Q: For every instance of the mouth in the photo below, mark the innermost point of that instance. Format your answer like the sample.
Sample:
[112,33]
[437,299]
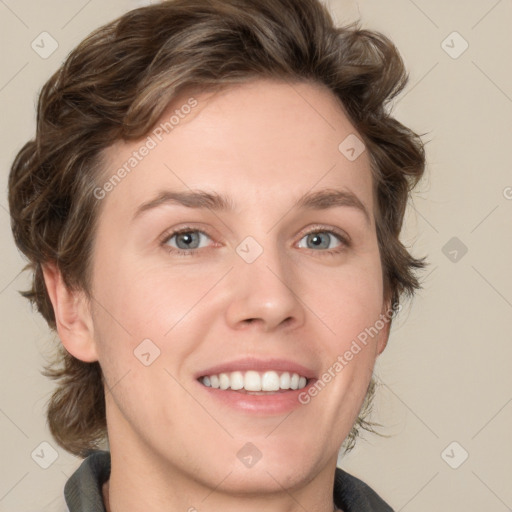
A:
[254,382]
[256,386]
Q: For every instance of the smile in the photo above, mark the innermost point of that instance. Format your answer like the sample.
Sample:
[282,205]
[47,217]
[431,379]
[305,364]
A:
[253,381]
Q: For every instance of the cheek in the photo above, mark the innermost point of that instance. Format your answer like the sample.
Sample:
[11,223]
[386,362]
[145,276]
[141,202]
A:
[350,301]
[351,308]
[164,307]
[149,301]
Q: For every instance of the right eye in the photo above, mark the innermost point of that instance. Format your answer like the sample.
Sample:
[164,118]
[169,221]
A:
[186,241]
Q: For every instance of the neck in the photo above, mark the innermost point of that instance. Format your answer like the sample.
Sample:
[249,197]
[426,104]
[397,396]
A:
[105,492]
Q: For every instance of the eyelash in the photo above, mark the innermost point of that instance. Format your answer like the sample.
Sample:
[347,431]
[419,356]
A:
[345,241]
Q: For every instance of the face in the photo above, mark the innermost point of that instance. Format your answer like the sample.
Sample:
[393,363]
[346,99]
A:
[275,270]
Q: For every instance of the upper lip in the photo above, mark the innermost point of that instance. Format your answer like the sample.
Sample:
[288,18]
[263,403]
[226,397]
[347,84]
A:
[261,365]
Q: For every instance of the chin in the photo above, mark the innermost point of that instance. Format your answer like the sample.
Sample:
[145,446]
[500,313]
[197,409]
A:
[267,478]
[269,464]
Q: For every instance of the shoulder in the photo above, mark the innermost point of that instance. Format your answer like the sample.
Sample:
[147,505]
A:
[352,495]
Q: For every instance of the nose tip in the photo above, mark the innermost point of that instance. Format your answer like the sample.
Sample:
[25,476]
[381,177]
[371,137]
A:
[262,297]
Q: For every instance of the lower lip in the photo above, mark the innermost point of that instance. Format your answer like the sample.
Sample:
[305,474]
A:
[278,402]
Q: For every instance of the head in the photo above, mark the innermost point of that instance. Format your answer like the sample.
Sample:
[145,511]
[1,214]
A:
[254,102]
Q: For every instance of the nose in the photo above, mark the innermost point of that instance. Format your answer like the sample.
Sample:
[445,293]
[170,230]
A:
[264,293]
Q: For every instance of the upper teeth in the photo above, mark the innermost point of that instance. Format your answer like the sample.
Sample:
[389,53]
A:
[255,381]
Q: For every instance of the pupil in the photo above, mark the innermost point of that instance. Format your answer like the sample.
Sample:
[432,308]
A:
[317,241]
[187,239]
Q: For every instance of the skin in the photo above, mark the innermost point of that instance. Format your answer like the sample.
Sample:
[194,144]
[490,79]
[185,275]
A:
[263,144]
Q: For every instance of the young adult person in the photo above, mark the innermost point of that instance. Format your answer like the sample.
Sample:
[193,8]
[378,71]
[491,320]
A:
[211,208]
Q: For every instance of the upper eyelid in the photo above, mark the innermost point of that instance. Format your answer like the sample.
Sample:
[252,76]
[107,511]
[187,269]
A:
[167,235]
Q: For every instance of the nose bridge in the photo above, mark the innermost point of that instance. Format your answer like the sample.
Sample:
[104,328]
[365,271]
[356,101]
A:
[263,286]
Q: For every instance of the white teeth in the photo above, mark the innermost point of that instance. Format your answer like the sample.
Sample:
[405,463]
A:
[255,381]
[294,384]
[270,381]
[284,381]
[224,381]
[252,381]
[237,380]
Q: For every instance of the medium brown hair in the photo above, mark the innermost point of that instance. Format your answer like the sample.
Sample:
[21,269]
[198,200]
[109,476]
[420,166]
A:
[117,83]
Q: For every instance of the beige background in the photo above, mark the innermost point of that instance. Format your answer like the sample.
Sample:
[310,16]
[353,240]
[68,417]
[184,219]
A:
[446,374]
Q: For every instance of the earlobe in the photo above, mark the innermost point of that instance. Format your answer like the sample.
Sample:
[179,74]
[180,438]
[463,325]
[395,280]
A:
[72,316]
[382,340]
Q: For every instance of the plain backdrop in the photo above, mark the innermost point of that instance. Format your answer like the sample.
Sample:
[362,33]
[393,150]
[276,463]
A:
[445,393]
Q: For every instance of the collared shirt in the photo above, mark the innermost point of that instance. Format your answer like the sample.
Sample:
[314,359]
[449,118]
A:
[83,490]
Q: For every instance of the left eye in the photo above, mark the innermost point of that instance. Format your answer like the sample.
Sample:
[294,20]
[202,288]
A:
[322,240]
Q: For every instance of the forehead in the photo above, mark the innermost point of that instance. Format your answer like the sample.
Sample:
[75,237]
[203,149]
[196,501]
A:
[259,141]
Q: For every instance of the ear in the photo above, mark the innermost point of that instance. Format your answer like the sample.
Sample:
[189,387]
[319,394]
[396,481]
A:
[386,316]
[72,316]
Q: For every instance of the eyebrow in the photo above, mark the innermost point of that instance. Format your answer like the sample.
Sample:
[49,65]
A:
[320,200]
